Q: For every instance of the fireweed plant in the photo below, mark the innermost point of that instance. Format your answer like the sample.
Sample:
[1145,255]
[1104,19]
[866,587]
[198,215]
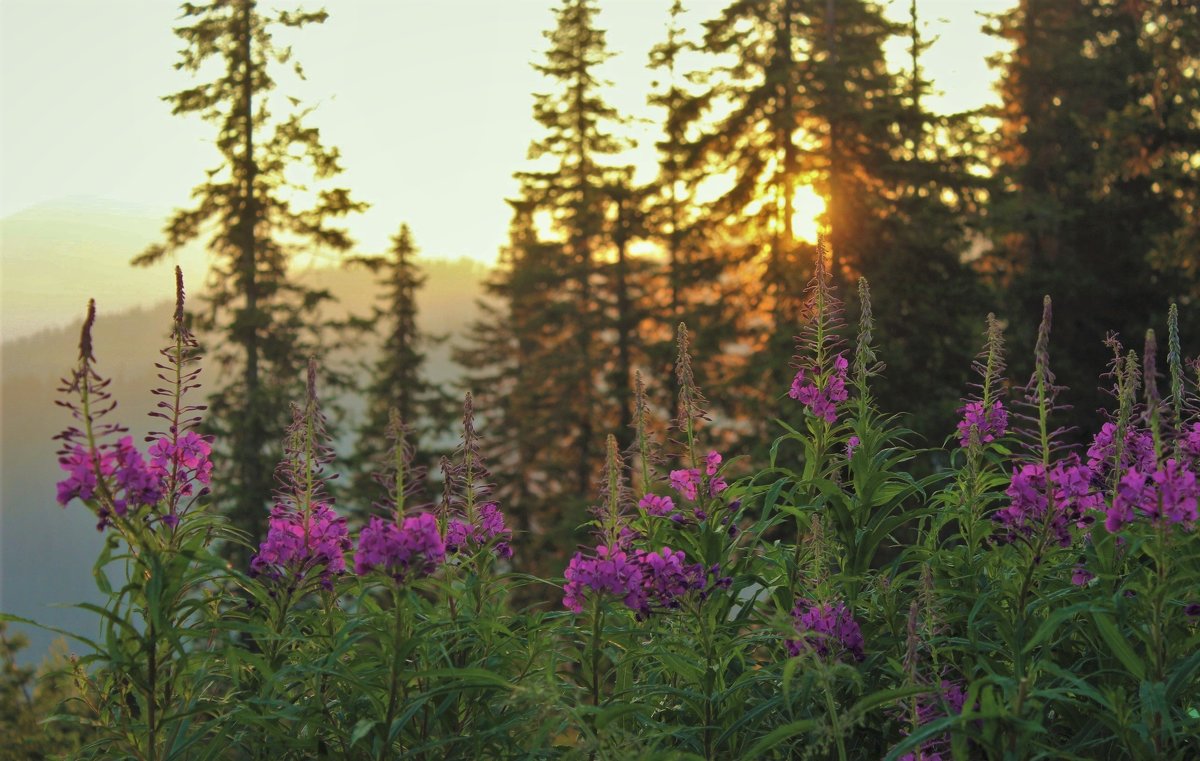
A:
[1036,597]
[149,675]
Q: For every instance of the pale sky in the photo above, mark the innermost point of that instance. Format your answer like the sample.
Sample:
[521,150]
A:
[428,100]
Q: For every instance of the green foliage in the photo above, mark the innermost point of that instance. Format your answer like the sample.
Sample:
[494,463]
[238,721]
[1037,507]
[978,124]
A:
[35,703]
[849,594]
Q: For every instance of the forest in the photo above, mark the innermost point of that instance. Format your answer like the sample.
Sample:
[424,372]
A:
[858,430]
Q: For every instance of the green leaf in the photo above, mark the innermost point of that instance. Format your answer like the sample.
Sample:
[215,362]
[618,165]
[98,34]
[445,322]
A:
[1053,622]
[361,730]
[1119,645]
[779,734]
[609,714]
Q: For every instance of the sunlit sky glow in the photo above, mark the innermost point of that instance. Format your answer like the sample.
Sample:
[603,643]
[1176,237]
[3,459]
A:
[429,101]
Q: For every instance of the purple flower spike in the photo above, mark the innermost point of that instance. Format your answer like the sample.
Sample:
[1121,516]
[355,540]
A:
[1190,443]
[827,630]
[411,551]
[712,462]
[947,701]
[81,467]
[821,398]
[294,544]
[609,571]
[130,480]
[1070,483]
[190,454]
[462,536]
[1166,496]
[645,581]
[686,482]
[667,577]
[988,425]
[1138,451]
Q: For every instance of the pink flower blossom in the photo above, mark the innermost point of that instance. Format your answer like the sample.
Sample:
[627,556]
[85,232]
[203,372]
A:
[1166,496]
[460,535]
[987,425]
[821,397]
[410,551]
[295,544]
[658,505]
[686,482]
[829,630]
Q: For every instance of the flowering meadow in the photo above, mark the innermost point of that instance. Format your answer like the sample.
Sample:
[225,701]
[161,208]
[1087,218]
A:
[1039,597]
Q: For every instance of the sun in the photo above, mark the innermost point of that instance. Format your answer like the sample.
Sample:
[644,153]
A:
[807,208]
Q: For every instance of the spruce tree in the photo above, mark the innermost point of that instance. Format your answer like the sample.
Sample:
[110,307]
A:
[550,363]
[809,100]
[806,100]
[1097,124]
[931,191]
[574,193]
[689,287]
[624,297]
[397,383]
[249,210]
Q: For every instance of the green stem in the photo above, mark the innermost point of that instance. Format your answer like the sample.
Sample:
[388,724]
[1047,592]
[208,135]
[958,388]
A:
[394,683]
[833,715]
[597,633]
[151,692]
[709,684]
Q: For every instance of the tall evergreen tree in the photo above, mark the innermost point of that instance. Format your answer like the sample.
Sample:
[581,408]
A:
[551,361]
[623,297]
[689,287]
[511,354]
[397,380]
[574,193]
[930,193]
[1095,165]
[808,100]
[248,208]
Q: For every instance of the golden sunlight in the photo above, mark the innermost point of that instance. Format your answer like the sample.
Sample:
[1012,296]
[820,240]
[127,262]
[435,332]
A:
[807,208]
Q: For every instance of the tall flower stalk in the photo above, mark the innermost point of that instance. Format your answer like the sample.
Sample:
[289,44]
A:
[1175,370]
[305,533]
[138,677]
[984,422]
[693,407]
[821,375]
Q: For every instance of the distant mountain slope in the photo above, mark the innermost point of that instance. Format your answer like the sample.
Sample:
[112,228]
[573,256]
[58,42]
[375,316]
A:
[53,256]
[46,553]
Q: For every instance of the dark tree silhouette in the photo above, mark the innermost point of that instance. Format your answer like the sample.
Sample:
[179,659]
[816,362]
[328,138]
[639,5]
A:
[247,209]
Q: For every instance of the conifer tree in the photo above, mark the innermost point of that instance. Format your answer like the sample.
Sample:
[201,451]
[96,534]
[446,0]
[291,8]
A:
[577,137]
[249,210]
[624,297]
[689,288]
[551,362]
[808,101]
[930,193]
[1098,122]
[397,380]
